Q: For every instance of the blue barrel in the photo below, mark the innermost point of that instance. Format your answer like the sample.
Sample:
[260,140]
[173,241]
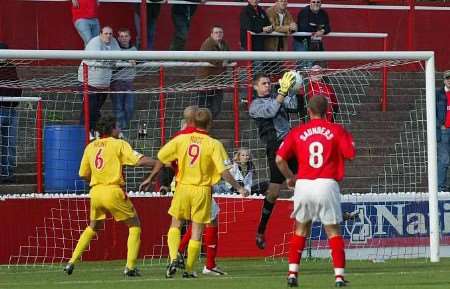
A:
[63,150]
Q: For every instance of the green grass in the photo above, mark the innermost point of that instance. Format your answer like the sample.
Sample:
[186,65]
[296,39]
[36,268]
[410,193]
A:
[248,274]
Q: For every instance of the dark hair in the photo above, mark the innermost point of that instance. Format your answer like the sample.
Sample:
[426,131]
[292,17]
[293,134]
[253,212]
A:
[106,124]
[318,104]
[258,76]
[123,30]
[216,26]
[3,45]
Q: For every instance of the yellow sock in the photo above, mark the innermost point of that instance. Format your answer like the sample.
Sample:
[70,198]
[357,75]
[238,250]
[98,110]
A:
[194,248]
[82,244]
[173,241]
[134,243]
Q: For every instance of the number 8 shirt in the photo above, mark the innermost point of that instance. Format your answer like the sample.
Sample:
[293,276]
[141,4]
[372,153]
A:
[320,148]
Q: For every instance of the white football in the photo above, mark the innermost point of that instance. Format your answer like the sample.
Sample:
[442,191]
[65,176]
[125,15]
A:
[298,81]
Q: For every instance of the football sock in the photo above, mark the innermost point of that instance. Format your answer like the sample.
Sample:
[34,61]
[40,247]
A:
[133,244]
[211,237]
[265,215]
[194,249]
[173,241]
[83,243]
[185,240]
[337,255]
[297,244]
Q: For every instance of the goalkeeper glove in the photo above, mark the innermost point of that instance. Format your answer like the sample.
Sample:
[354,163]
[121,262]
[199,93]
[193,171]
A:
[286,82]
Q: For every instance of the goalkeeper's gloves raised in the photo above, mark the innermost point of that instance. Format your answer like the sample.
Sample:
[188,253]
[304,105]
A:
[286,82]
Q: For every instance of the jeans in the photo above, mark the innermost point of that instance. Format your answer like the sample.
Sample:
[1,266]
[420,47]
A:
[302,46]
[181,21]
[123,103]
[8,129]
[211,99]
[87,28]
[443,159]
[96,101]
[151,25]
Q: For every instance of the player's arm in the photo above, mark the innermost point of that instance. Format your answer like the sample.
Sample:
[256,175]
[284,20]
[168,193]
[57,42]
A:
[145,161]
[158,165]
[284,153]
[347,145]
[85,168]
[226,175]
[283,166]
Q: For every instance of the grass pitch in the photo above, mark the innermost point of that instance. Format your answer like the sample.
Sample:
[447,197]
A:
[248,274]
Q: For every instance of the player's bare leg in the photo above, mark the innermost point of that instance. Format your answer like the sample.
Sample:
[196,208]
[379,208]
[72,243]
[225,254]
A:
[83,243]
[173,241]
[297,244]
[269,202]
[211,243]
[337,246]
[133,245]
[194,248]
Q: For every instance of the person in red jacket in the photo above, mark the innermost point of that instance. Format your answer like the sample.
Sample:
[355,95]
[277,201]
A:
[85,19]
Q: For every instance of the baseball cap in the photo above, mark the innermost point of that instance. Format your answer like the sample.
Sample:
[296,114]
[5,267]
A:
[446,74]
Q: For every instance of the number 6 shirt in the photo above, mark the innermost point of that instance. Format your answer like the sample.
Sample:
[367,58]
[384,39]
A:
[320,148]
[200,158]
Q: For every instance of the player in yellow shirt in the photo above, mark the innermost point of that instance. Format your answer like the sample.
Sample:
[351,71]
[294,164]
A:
[200,159]
[101,166]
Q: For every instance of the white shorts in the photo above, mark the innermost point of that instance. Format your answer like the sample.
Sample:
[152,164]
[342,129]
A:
[318,199]
[214,209]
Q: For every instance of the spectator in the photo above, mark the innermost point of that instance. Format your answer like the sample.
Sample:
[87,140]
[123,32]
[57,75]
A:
[283,22]
[242,170]
[122,101]
[153,10]
[312,19]
[253,18]
[212,99]
[181,16]
[318,86]
[99,74]
[8,122]
[271,114]
[443,131]
[85,18]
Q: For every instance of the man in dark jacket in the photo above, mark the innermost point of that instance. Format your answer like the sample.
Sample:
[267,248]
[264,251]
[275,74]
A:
[253,18]
[443,131]
[8,122]
[312,19]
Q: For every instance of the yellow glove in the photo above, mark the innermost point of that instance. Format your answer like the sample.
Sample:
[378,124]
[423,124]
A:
[286,82]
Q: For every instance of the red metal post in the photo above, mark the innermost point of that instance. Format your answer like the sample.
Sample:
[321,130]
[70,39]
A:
[249,71]
[162,106]
[236,107]
[143,24]
[384,98]
[39,178]
[411,24]
[86,101]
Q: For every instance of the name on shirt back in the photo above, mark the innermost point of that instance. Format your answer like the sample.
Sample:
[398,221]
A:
[316,130]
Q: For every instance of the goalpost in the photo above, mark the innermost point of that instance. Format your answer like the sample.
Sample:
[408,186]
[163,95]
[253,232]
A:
[176,95]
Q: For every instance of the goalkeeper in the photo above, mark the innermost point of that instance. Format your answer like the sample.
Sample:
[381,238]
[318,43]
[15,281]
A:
[271,113]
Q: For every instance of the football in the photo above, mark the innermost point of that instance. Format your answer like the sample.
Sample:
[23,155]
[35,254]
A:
[298,81]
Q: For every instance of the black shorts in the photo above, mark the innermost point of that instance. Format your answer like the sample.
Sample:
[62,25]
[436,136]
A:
[276,177]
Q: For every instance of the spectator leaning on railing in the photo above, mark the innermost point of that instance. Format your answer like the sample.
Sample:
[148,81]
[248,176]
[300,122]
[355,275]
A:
[312,19]
[99,74]
[212,98]
[253,18]
[283,22]
[85,18]
[8,122]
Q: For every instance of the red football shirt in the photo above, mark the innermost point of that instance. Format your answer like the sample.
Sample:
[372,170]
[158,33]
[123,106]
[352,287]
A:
[88,9]
[320,148]
[320,87]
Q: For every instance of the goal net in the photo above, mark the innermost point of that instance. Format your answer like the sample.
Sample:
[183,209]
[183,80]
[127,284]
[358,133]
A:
[389,185]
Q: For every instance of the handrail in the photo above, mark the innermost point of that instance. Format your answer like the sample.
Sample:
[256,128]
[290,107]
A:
[331,34]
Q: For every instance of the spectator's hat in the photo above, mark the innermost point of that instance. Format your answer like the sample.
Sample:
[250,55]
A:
[446,74]
[3,45]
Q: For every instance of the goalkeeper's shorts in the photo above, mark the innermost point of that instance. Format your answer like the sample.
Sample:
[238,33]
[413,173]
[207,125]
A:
[192,203]
[112,199]
[318,199]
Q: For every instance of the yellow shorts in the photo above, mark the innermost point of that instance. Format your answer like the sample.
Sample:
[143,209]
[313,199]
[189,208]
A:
[110,199]
[191,203]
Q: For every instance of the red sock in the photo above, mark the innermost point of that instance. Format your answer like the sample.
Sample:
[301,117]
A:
[185,240]
[337,247]
[296,247]
[211,238]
